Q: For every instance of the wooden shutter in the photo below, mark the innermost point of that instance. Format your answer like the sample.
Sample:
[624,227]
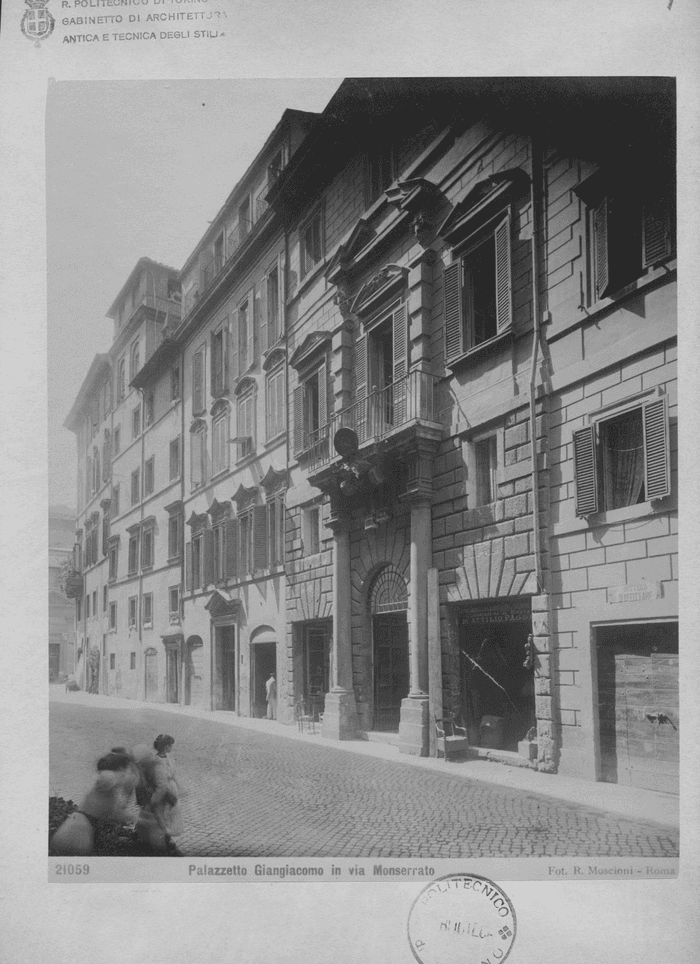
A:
[280,524]
[585,471]
[265,337]
[234,345]
[504,284]
[281,268]
[188,567]
[361,385]
[452,293]
[400,340]
[231,548]
[657,242]
[299,420]
[251,329]
[196,440]
[602,264]
[197,381]
[224,356]
[323,395]
[208,566]
[657,460]
[260,537]
[214,366]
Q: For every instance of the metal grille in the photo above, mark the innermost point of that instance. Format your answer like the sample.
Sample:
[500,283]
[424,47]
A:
[388,593]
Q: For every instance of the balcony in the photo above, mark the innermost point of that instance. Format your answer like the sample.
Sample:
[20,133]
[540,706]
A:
[395,415]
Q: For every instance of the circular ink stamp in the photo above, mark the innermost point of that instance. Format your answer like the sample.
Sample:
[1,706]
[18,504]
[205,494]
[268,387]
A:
[461,919]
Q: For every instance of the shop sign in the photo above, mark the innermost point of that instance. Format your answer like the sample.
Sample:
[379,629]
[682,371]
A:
[483,616]
[638,592]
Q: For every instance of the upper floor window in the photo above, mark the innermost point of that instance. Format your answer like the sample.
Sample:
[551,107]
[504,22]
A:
[135,486]
[121,379]
[174,535]
[275,167]
[149,476]
[478,292]
[117,440]
[244,220]
[311,530]
[133,553]
[219,361]
[275,529]
[311,243]
[198,405]
[136,422]
[245,429]
[114,504]
[174,458]
[244,336]
[198,453]
[273,324]
[623,457]
[147,546]
[381,170]
[150,403]
[113,616]
[220,439]
[107,396]
[486,465]
[275,407]
[175,383]
[310,410]
[135,361]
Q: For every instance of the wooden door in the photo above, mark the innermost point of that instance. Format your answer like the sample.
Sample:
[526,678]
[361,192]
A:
[151,674]
[391,669]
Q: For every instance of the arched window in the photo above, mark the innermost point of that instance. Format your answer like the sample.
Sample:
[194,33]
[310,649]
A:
[135,360]
[388,593]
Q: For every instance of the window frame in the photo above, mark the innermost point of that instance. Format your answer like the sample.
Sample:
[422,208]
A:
[149,476]
[133,554]
[199,374]
[311,531]
[135,422]
[175,383]
[305,267]
[246,409]
[198,455]
[134,359]
[148,542]
[221,422]
[174,612]
[147,618]
[276,429]
[135,487]
[132,612]
[175,525]
[113,616]
[175,449]
[386,178]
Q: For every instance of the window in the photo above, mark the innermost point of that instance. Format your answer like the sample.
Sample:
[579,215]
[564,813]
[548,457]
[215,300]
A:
[219,361]
[197,568]
[245,355]
[147,609]
[198,452]
[310,410]
[104,599]
[273,315]
[107,396]
[245,432]
[175,384]
[78,609]
[275,167]
[477,293]
[105,530]
[95,469]
[219,533]
[311,531]
[113,616]
[275,403]
[174,458]
[244,222]
[104,644]
[381,170]
[112,660]
[121,380]
[114,504]
[623,459]
[311,239]
[117,440]
[132,660]
[133,611]
[133,553]
[149,475]
[174,536]
[174,604]
[147,547]
[135,486]
[135,361]
[87,606]
[245,543]
[150,408]
[198,381]
[486,464]
[220,434]
[275,529]
[136,422]
[113,561]
[94,602]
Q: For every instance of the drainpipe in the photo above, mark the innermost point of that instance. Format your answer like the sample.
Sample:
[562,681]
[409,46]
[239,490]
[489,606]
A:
[181,363]
[142,479]
[535,207]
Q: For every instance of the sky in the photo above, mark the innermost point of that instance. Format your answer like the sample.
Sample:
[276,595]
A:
[133,169]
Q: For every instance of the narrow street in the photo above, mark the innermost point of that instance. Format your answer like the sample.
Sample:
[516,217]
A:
[250,793]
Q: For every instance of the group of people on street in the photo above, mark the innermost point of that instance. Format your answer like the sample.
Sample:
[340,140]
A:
[147,774]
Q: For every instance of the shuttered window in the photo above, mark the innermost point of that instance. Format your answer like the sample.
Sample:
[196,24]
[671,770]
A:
[623,460]
[478,293]
[198,382]
[275,530]
[260,547]
[198,446]
[175,458]
[657,233]
[275,403]
[310,410]
[231,548]
[219,361]
[220,446]
[245,431]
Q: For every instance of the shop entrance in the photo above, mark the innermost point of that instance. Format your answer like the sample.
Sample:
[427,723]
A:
[388,605]
[224,668]
[264,665]
[638,704]
[317,649]
[497,678]
[151,674]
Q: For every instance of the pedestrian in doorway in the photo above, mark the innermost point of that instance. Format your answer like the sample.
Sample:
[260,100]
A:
[160,818]
[271,696]
[108,799]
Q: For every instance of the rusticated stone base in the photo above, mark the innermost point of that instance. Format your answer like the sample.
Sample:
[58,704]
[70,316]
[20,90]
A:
[340,716]
[414,731]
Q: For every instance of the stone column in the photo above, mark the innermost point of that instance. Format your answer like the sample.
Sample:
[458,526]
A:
[340,712]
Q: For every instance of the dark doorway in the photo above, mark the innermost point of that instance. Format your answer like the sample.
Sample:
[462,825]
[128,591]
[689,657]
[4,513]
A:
[391,669]
[151,674]
[172,689]
[497,681]
[225,669]
[264,665]
[317,649]
[638,704]
[54,660]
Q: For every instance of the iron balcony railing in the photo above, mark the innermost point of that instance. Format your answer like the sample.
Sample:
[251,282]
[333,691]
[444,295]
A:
[380,414]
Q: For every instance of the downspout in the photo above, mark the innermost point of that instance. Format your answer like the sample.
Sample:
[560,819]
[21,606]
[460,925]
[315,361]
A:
[142,480]
[181,362]
[535,207]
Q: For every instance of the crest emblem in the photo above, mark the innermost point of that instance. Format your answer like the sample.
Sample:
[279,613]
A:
[37,23]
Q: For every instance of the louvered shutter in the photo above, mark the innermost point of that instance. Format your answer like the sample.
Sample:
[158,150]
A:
[323,395]
[361,385]
[452,291]
[264,336]
[602,266]
[197,382]
[504,285]
[260,537]
[281,288]
[234,345]
[188,567]
[196,440]
[400,340]
[657,461]
[585,471]
[231,548]
[208,557]
[656,227]
[299,420]
[252,320]
[279,521]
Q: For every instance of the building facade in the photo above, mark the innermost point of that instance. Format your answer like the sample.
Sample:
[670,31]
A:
[428,429]
[61,608]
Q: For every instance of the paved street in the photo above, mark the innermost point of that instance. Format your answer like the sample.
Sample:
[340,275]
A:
[253,793]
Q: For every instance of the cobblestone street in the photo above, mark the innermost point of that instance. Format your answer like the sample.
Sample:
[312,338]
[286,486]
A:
[250,793]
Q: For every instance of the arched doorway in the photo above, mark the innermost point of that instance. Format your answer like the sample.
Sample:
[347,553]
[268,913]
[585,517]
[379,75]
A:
[388,605]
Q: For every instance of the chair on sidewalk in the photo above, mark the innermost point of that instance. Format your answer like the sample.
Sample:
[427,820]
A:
[451,738]
[305,716]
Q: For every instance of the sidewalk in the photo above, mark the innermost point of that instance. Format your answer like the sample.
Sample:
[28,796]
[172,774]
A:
[630,802]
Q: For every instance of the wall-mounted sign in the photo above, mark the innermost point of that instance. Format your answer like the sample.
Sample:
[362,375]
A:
[638,592]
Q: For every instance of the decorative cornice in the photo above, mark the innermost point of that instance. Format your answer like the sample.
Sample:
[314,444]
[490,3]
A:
[485,200]
[221,404]
[174,507]
[244,494]
[198,521]
[415,195]
[312,347]
[134,529]
[274,479]
[172,639]
[197,424]
[221,604]
[389,281]
[219,510]
[273,357]
[245,384]
[360,236]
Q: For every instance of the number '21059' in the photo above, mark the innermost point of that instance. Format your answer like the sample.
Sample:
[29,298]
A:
[68,869]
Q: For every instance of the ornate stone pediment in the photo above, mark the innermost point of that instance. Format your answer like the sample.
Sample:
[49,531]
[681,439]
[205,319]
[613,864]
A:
[244,495]
[273,357]
[274,478]
[221,604]
[415,195]
[485,200]
[359,238]
[219,510]
[197,521]
[387,282]
[311,348]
